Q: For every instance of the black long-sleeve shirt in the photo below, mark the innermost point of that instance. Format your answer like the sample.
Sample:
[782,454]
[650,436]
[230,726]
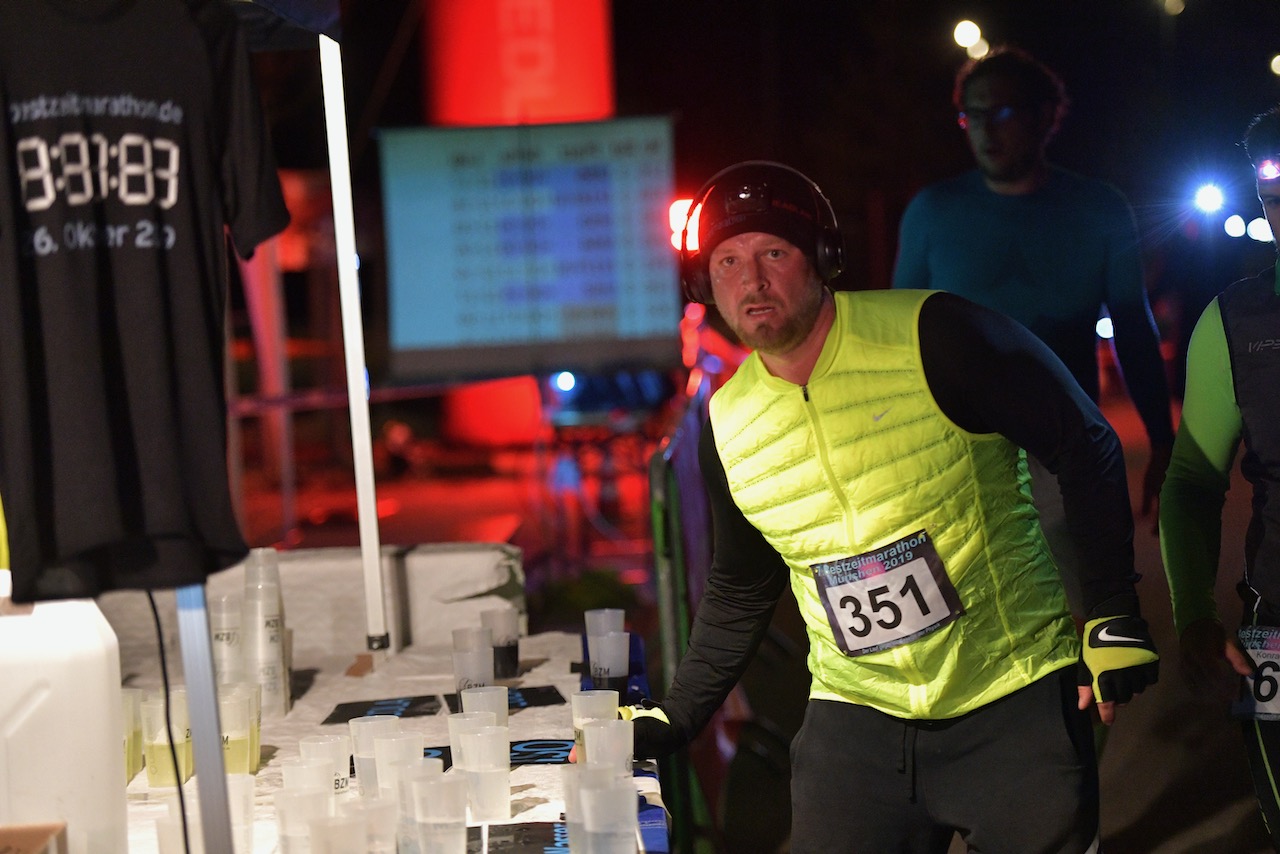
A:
[988,374]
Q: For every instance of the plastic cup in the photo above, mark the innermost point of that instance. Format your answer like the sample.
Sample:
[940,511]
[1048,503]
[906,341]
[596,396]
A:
[609,655]
[594,705]
[299,773]
[487,698]
[472,637]
[295,810]
[472,667]
[131,712]
[340,834]
[440,809]
[379,817]
[240,806]
[234,713]
[609,744]
[504,624]
[252,691]
[224,632]
[170,840]
[160,749]
[363,732]
[573,779]
[391,748]
[611,817]
[602,621]
[334,748]
[465,722]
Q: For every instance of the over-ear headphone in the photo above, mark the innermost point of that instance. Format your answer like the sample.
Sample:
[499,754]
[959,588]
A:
[828,248]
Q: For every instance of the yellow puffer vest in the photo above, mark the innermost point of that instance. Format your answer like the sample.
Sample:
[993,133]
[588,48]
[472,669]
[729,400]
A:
[862,457]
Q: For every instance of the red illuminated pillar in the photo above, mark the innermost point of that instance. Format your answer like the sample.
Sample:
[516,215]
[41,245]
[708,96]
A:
[506,62]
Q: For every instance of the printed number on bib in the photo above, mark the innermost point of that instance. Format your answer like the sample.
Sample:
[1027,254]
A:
[1261,694]
[887,597]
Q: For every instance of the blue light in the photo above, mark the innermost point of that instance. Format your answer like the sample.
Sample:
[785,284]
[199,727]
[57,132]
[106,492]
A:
[1209,198]
[565,381]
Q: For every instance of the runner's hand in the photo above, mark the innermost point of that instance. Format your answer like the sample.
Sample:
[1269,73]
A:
[1120,656]
[654,735]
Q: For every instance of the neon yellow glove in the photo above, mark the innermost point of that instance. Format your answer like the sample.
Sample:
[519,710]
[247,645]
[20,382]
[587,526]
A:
[654,736]
[1120,656]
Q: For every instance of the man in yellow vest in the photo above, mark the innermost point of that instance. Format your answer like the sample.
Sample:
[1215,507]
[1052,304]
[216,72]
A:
[872,453]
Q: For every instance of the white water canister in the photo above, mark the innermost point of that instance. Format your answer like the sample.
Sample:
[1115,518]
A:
[61,724]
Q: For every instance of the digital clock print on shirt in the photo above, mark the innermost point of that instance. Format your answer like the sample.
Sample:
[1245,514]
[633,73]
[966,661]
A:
[134,142]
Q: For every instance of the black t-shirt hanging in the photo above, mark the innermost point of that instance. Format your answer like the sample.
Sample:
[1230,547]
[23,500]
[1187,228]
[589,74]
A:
[132,141]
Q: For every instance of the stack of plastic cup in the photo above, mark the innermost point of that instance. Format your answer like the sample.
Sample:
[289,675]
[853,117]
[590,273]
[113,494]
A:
[225,613]
[487,764]
[262,632]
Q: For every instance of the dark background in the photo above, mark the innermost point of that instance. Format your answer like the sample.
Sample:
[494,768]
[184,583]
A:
[856,93]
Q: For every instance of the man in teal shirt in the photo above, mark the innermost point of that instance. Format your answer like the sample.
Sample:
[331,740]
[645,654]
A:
[1233,374]
[1045,246]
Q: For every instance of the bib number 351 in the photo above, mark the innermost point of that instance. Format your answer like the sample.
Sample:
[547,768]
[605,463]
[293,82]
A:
[888,597]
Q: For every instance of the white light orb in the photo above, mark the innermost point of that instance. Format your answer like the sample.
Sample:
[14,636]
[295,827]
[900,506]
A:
[967,34]
[1259,230]
[1209,198]
[1234,226]
[978,49]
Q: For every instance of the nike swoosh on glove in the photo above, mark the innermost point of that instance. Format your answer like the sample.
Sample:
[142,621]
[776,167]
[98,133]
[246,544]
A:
[654,736]
[1120,657]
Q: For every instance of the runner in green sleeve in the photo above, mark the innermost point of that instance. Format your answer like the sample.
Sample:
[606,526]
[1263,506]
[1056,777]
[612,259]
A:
[1233,371]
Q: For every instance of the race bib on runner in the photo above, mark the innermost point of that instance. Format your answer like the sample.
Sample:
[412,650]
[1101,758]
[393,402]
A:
[887,597]
[1261,695]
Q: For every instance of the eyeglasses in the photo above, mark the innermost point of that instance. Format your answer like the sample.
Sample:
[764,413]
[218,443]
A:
[980,116]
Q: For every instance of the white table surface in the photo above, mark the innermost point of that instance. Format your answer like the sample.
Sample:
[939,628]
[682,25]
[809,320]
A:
[535,789]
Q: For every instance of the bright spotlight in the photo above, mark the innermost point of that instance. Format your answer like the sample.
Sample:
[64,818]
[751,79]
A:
[1275,65]
[1234,226]
[565,381]
[1209,198]
[1104,328]
[1259,230]
[978,49]
[967,34]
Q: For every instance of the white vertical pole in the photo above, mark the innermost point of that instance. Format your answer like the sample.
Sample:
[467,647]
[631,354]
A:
[353,340]
[202,704]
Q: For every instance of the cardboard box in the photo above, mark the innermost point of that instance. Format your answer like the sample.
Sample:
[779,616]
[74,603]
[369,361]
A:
[33,839]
